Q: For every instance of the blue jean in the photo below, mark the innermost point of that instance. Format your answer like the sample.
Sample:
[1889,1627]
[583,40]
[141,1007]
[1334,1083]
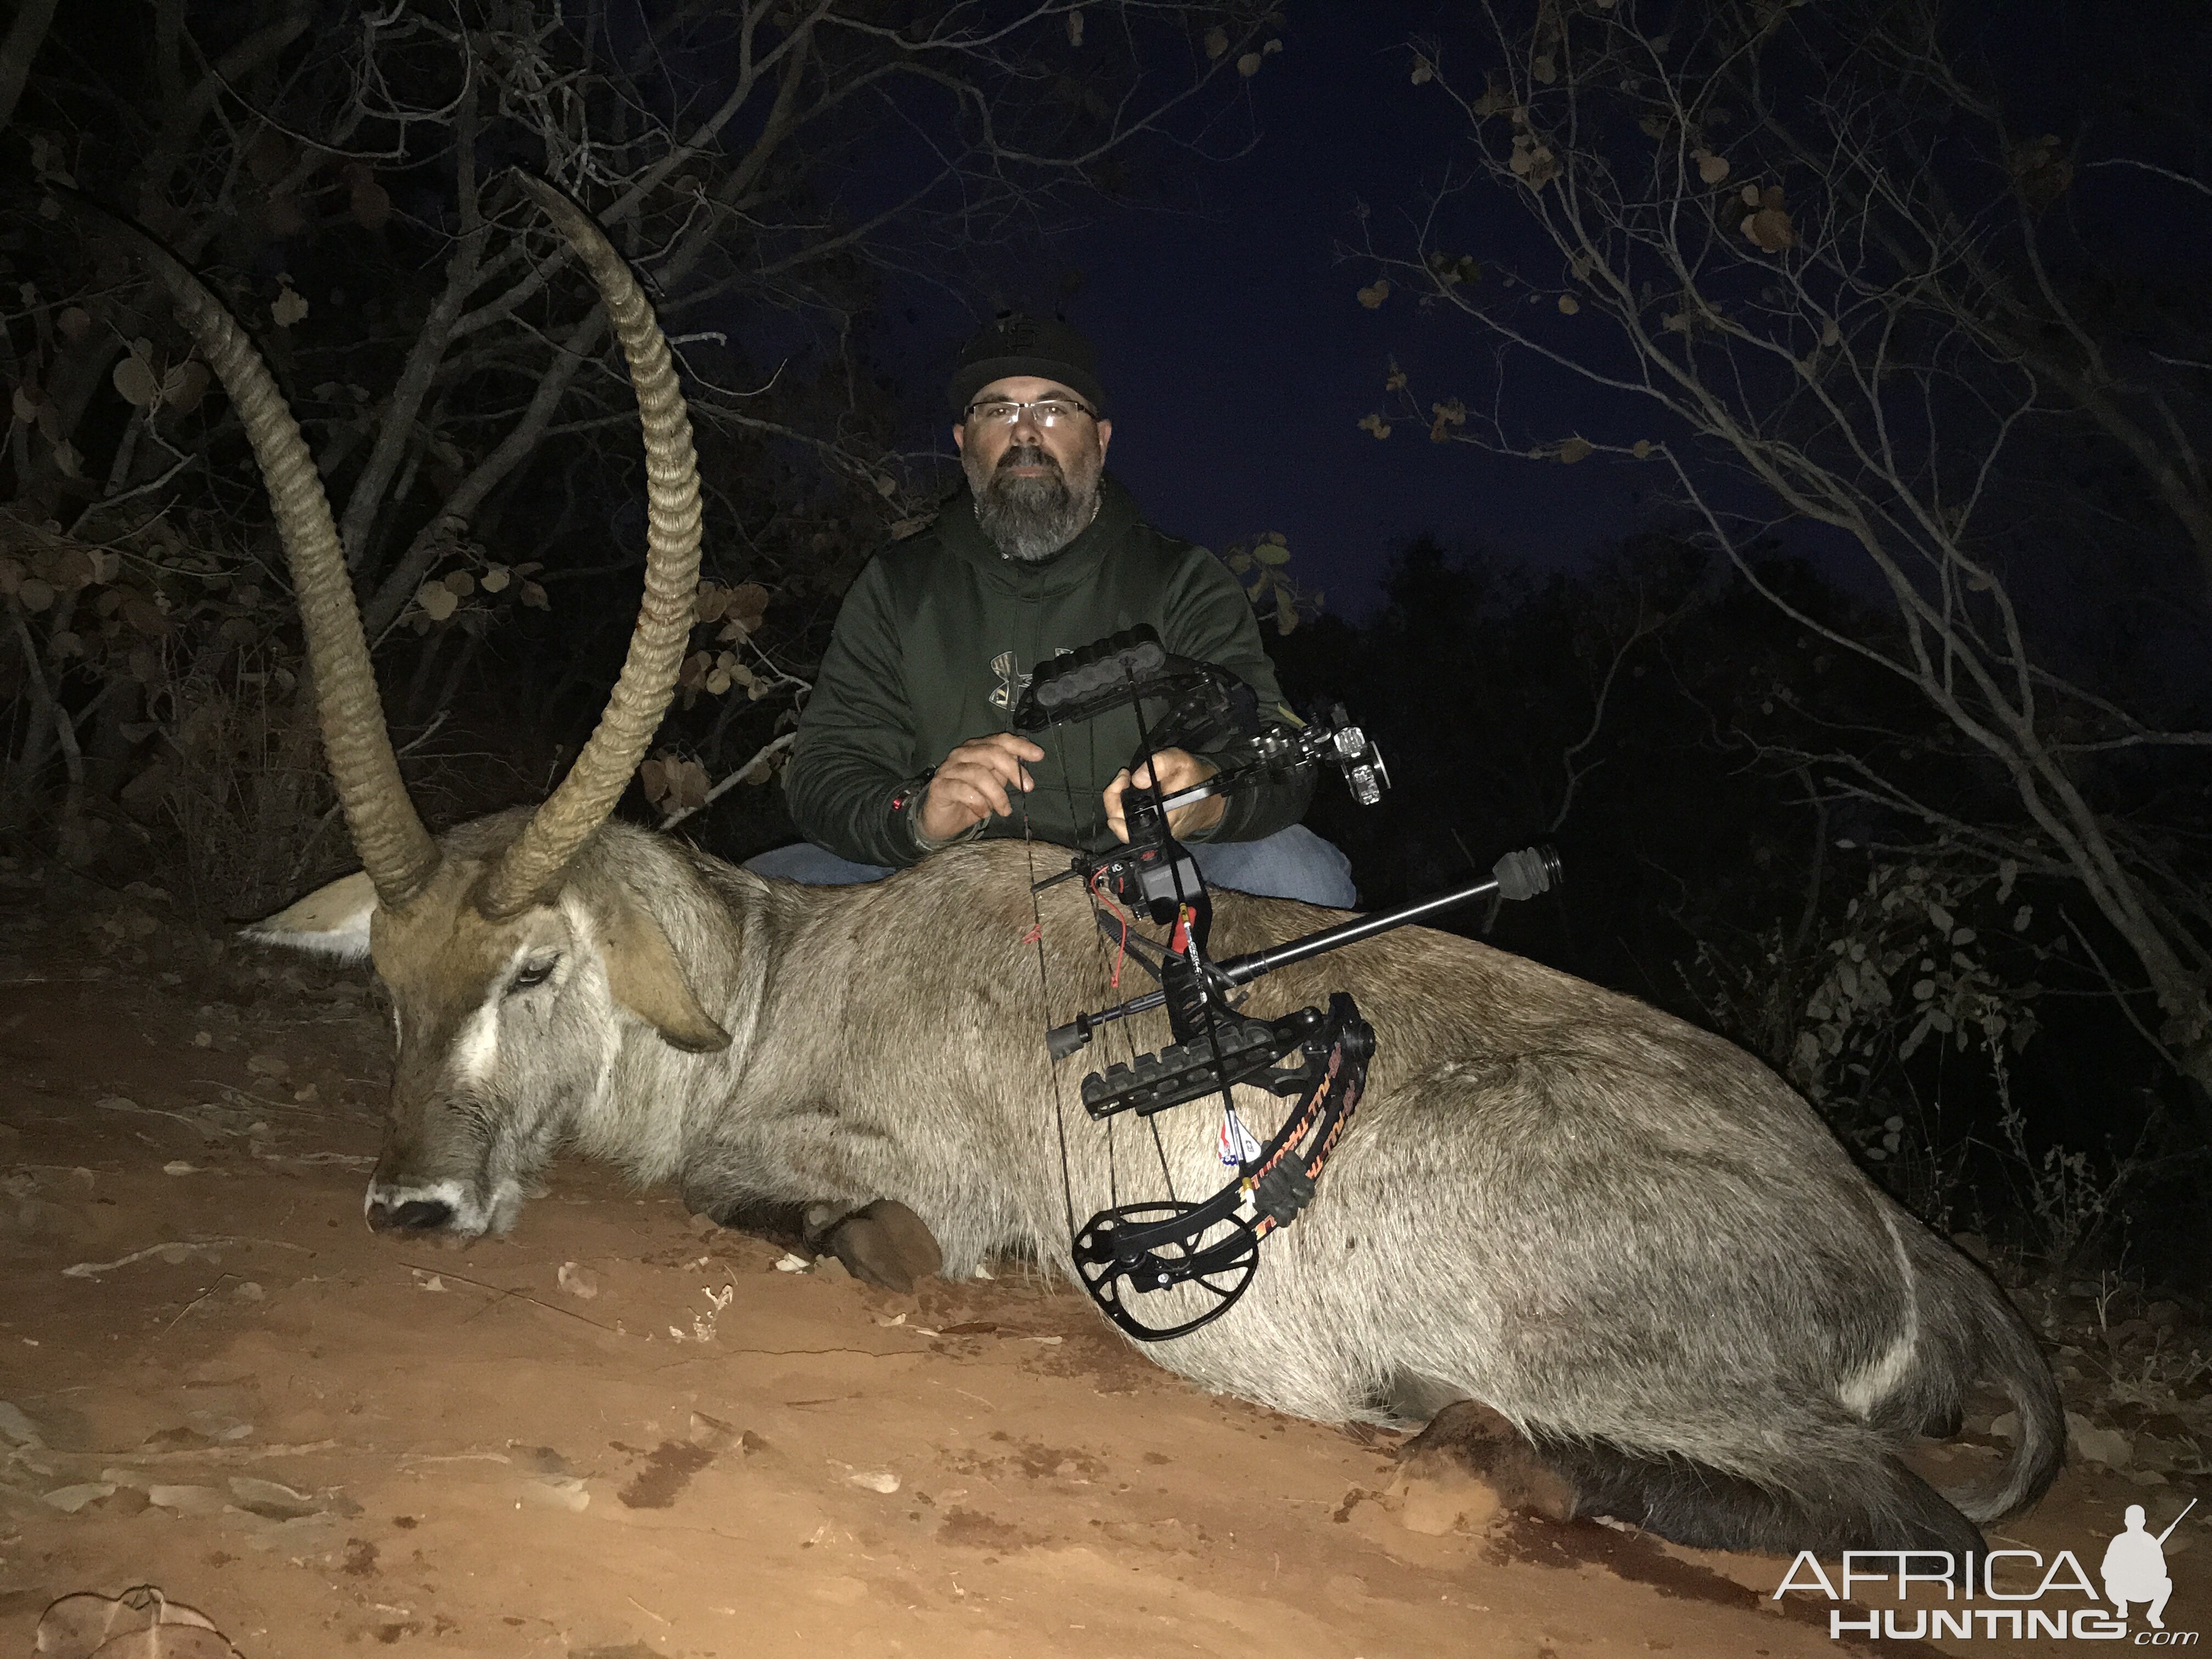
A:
[1293,863]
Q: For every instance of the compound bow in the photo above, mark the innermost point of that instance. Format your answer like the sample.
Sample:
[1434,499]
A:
[1317,1058]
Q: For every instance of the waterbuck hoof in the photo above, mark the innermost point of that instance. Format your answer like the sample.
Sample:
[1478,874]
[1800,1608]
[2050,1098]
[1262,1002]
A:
[1469,1464]
[885,1245]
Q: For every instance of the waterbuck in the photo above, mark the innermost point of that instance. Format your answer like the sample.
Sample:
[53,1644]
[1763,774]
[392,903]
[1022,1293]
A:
[1624,1237]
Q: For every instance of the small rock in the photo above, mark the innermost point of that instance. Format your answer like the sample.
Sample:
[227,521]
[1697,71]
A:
[70,1499]
[578,1280]
[16,1427]
[882,1481]
[204,1039]
[2095,1445]
[703,1225]
[558,1492]
[792,1262]
[246,1290]
[189,1500]
[178,1167]
[271,1501]
[269,1066]
[827,1267]
[306,1092]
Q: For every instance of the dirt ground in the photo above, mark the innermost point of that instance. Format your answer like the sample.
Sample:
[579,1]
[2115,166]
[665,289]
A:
[620,1433]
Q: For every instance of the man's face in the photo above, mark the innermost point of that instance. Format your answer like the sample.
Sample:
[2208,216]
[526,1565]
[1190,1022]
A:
[1036,486]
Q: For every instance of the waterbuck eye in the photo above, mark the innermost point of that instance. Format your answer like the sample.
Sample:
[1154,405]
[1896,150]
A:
[533,974]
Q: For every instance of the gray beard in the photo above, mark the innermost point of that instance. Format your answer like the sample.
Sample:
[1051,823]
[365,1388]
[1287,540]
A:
[1032,519]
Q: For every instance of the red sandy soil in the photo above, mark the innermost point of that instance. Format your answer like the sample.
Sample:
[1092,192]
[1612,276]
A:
[326,1440]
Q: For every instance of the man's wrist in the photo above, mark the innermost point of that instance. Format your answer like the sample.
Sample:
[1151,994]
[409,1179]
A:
[907,802]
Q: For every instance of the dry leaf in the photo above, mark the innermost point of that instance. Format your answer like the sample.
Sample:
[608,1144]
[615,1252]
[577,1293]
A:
[1543,68]
[1375,293]
[1713,169]
[495,579]
[140,1624]
[27,401]
[1423,72]
[574,1277]
[185,385]
[437,600]
[1216,41]
[1641,448]
[1569,305]
[460,583]
[73,323]
[1075,27]
[1248,63]
[533,596]
[1575,449]
[1829,334]
[134,379]
[288,307]
[36,595]
[1376,424]
[370,205]
[748,603]
[1769,228]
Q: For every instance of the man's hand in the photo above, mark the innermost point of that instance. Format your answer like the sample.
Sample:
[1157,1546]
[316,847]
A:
[971,784]
[1178,771]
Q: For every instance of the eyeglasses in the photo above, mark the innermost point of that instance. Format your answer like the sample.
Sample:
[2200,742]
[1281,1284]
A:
[1046,412]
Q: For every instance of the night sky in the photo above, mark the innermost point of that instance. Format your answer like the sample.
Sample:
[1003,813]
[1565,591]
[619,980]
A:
[1237,358]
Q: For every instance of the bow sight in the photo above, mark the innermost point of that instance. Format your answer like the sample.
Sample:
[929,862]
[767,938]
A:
[1317,1060]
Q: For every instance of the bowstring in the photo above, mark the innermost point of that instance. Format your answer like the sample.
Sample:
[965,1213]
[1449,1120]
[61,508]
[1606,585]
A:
[1055,730]
[1044,992]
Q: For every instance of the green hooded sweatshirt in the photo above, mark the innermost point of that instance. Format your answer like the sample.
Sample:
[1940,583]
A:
[937,640]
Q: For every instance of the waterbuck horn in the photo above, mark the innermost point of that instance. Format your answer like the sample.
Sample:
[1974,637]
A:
[395,849]
[532,867]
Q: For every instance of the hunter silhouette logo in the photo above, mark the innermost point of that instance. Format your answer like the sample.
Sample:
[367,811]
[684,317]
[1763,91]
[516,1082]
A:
[2026,1597]
[2134,1568]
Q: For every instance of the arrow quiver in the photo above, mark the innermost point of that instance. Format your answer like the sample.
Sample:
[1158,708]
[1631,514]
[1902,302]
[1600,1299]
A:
[1317,1060]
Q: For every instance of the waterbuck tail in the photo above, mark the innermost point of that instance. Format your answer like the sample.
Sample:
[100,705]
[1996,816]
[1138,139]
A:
[2007,1358]
[1968,1334]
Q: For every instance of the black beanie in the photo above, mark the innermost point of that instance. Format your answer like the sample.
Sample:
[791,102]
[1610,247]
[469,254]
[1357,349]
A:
[1016,344]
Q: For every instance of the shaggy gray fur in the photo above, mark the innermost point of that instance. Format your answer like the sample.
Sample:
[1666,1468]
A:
[1624,1234]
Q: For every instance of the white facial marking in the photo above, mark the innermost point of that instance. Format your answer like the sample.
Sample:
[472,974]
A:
[469,1217]
[477,1046]
[476,1051]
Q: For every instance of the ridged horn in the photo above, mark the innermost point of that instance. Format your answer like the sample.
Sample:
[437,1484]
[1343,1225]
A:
[395,849]
[531,870]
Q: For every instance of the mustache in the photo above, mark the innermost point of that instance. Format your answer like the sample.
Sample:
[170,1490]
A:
[1029,455]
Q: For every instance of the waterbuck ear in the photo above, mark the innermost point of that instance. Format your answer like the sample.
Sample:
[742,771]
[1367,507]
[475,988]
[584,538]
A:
[331,922]
[646,978]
